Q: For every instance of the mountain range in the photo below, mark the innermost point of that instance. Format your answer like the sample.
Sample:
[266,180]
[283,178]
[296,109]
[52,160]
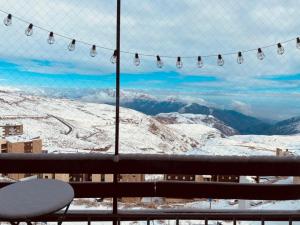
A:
[152,106]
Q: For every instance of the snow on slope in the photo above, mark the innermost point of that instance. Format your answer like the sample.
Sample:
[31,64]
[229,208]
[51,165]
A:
[249,145]
[66,125]
[188,118]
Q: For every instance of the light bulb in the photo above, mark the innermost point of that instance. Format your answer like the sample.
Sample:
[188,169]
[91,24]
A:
[8,20]
[51,39]
[93,51]
[260,54]
[29,30]
[280,49]
[199,62]
[136,60]
[298,42]
[179,63]
[113,58]
[220,60]
[240,58]
[159,62]
[72,44]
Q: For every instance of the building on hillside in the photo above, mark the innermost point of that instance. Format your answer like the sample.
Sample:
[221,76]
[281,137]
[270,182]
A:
[131,178]
[179,177]
[225,178]
[23,144]
[197,178]
[3,146]
[280,152]
[79,177]
[20,144]
[10,129]
[202,178]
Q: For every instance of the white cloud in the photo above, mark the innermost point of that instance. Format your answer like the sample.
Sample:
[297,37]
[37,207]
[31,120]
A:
[241,107]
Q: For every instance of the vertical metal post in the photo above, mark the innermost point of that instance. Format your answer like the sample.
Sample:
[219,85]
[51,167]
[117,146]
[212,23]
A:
[117,116]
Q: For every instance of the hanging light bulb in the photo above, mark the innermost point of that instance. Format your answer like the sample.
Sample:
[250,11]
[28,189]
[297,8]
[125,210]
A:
[199,62]
[220,60]
[179,63]
[113,58]
[71,46]
[159,62]
[240,58]
[29,30]
[51,39]
[260,54]
[280,49]
[93,51]
[137,60]
[8,20]
[298,42]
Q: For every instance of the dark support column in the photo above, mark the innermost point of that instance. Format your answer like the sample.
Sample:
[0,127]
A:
[117,117]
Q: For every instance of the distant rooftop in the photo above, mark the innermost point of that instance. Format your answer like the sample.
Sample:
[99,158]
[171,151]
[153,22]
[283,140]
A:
[3,124]
[21,138]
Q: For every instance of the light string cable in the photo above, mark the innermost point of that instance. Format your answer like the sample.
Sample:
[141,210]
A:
[93,52]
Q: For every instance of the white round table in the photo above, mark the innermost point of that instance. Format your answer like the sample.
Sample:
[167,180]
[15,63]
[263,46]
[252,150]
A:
[25,200]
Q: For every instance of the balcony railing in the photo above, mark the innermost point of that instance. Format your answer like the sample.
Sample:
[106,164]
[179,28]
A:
[166,164]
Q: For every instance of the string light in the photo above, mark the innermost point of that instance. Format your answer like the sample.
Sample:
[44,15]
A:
[51,39]
[240,58]
[29,30]
[199,62]
[72,44]
[220,60]
[159,62]
[136,60]
[260,54]
[298,42]
[113,58]
[93,51]
[280,49]
[8,20]
[179,63]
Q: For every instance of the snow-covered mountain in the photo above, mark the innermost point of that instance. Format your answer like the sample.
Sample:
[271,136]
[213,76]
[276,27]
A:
[286,127]
[187,118]
[69,125]
[152,105]
[66,124]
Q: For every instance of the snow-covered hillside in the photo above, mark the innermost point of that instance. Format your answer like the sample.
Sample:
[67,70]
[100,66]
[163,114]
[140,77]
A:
[72,125]
[213,142]
[66,125]
[250,145]
[188,118]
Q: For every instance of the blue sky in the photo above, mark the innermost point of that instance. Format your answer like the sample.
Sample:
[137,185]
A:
[268,88]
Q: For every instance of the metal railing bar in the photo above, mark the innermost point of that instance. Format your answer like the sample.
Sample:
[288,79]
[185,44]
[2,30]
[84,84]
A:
[188,190]
[150,164]
[175,214]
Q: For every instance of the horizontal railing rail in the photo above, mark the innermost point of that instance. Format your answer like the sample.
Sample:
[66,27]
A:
[177,214]
[186,190]
[150,164]
[163,164]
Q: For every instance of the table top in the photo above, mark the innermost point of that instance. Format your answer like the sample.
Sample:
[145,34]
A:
[33,198]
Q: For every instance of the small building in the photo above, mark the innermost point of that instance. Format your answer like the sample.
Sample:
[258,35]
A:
[179,177]
[79,177]
[202,178]
[23,144]
[280,152]
[3,146]
[131,178]
[10,129]
[20,144]
[225,178]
